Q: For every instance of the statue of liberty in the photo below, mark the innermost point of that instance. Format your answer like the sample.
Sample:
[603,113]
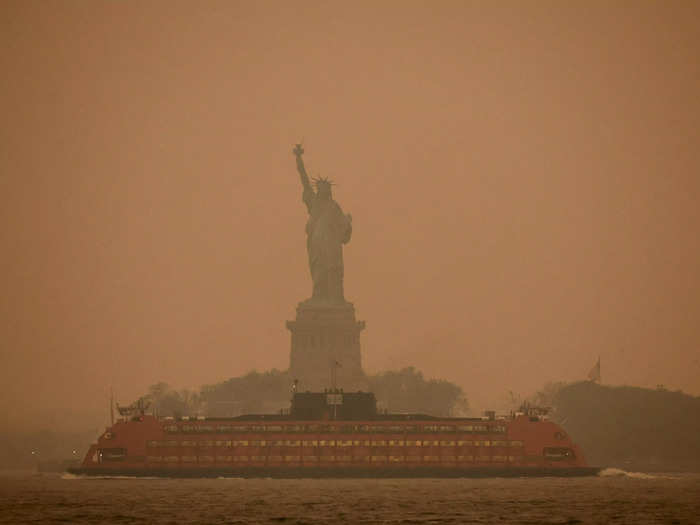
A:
[327,229]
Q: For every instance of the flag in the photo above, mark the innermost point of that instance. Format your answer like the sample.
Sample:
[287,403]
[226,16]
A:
[594,374]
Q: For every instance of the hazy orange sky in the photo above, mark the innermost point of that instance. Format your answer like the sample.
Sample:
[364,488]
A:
[523,179]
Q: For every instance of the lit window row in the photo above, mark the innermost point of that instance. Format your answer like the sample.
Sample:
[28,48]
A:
[336,458]
[323,428]
[335,443]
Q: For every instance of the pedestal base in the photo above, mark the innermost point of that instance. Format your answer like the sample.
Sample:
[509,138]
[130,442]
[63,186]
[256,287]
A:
[326,343]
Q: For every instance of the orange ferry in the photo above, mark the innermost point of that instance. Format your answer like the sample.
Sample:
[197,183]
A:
[335,434]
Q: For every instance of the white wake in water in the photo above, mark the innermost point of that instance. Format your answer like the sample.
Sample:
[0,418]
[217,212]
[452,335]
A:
[619,473]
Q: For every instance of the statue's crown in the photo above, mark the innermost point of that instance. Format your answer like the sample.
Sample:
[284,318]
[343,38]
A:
[322,181]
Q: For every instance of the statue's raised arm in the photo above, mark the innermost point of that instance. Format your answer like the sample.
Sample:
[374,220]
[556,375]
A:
[308,195]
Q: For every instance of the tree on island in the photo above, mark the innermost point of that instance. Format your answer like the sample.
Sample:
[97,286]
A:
[407,390]
[165,401]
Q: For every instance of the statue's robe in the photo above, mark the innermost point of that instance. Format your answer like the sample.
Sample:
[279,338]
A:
[327,229]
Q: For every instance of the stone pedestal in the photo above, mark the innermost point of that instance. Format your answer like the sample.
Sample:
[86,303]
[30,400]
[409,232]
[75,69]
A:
[326,342]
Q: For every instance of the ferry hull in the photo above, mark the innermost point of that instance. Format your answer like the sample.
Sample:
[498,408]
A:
[342,472]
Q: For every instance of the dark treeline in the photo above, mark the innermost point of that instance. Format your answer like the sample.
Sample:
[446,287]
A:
[630,427]
[405,390]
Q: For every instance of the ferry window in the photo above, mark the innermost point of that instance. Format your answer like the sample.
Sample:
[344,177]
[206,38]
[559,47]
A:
[294,428]
[187,428]
[169,443]
[412,443]
[241,428]
[152,444]
[347,428]
[499,429]
[465,428]
[499,443]
[411,428]
[274,428]
[363,428]
[559,435]
[223,458]
[465,443]
[446,428]
[223,443]
[206,443]
[501,459]
[206,459]
[292,443]
[311,428]
[188,459]
[447,443]
[154,459]
[240,443]
[292,458]
[558,453]
[327,428]
[224,428]
[205,428]
[171,459]
[395,443]
[430,428]
[113,454]
[378,443]
[310,443]
[516,443]
[394,428]
[188,444]
[257,428]
[170,428]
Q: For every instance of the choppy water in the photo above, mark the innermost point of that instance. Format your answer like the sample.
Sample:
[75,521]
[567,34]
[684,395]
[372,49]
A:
[614,497]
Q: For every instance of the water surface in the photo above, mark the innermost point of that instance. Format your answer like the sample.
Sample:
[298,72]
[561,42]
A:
[614,497]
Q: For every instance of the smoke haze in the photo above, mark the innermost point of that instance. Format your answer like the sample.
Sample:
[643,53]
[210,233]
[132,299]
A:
[523,182]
